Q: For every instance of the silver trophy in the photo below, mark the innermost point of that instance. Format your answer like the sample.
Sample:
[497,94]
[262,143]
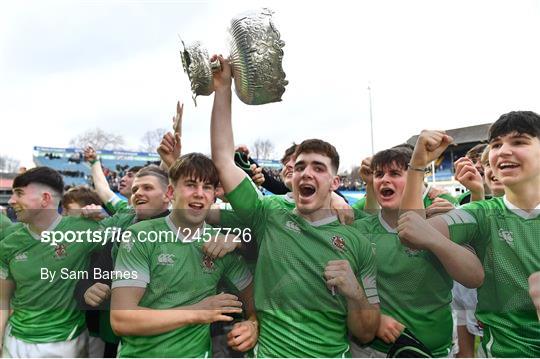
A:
[256,55]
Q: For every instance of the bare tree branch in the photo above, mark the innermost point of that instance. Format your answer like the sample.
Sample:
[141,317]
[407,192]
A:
[8,164]
[263,149]
[98,139]
[151,139]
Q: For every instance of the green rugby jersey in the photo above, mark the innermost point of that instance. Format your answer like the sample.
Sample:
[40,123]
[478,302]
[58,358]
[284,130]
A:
[45,311]
[4,221]
[9,228]
[413,286]
[507,242]
[298,316]
[174,274]
[122,219]
[116,204]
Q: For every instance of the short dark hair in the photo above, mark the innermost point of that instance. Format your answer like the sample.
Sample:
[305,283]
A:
[196,166]
[42,175]
[82,195]
[399,155]
[288,153]
[522,122]
[155,171]
[321,147]
[475,153]
[134,169]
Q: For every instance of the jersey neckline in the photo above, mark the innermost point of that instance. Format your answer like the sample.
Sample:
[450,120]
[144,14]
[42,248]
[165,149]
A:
[53,225]
[520,212]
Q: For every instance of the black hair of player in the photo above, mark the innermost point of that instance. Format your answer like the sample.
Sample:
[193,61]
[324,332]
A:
[399,156]
[521,122]
[41,175]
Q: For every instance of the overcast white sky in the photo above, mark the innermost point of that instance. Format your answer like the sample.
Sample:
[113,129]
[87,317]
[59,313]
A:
[66,67]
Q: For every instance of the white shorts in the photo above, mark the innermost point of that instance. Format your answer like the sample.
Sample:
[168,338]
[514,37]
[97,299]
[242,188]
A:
[364,352]
[96,347]
[16,348]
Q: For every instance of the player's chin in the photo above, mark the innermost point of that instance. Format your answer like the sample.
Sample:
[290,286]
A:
[306,208]
[389,204]
[196,217]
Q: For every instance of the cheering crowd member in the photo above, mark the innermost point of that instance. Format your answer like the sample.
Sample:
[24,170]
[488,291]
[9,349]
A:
[305,255]
[111,200]
[45,320]
[502,230]
[481,184]
[414,286]
[163,309]
[76,198]
[151,198]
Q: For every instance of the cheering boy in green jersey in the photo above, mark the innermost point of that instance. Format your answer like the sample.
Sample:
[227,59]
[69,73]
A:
[315,279]
[165,307]
[503,231]
[36,278]
[414,286]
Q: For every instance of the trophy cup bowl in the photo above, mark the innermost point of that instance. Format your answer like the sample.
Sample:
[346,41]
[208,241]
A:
[256,55]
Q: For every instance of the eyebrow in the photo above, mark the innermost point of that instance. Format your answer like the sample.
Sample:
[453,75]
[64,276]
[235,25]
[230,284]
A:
[316,163]
[515,135]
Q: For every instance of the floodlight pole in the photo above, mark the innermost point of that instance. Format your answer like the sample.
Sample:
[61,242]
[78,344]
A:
[371,119]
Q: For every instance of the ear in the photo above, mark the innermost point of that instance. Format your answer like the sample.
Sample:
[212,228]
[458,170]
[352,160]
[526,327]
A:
[170,192]
[46,199]
[334,185]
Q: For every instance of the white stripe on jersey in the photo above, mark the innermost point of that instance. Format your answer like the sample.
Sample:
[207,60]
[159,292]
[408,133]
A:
[458,216]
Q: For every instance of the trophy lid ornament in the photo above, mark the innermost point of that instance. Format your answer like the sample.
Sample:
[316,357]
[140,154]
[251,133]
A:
[256,56]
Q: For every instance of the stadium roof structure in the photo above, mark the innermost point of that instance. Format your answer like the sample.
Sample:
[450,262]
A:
[464,135]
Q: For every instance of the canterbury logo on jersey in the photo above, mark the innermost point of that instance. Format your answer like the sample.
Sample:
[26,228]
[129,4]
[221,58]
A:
[412,252]
[21,257]
[292,226]
[166,259]
[507,236]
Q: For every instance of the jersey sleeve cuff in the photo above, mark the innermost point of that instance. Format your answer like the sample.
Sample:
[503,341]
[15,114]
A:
[458,216]
[129,283]
[244,282]
[372,296]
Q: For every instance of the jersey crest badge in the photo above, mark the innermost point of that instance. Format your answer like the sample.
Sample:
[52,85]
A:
[208,264]
[60,251]
[338,242]
[127,245]
[507,236]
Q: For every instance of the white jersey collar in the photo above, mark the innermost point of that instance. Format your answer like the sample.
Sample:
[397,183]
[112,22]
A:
[53,225]
[320,222]
[385,224]
[519,212]
[289,197]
